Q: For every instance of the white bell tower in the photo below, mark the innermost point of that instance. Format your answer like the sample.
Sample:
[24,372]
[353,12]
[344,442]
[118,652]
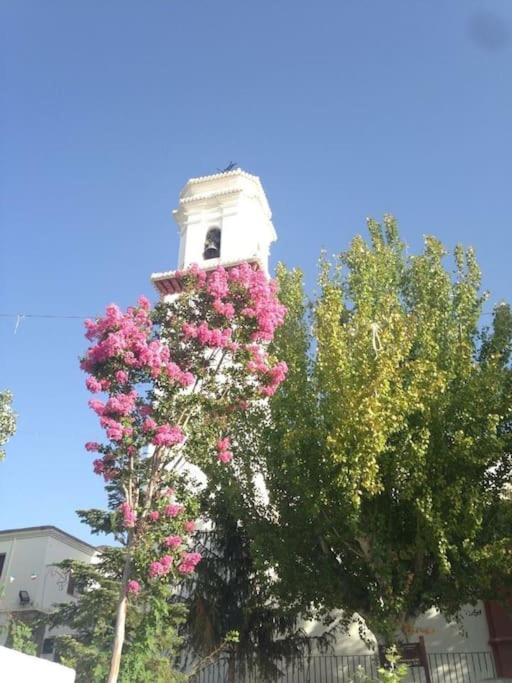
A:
[223,219]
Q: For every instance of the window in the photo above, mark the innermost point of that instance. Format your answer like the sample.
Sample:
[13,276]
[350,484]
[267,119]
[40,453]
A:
[2,562]
[212,244]
[48,646]
[24,597]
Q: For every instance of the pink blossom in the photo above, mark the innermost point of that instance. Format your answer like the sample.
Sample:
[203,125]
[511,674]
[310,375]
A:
[93,384]
[217,283]
[92,446]
[98,466]
[197,272]
[149,425]
[120,404]
[224,444]
[174,509]
[174,372]
[224,455]
[122,376]
[129,515]
[156,569]
[144,303]
[189,561]
[186,379]
[133,587]
[225,309]
[168,436]
[189,526]
[154,515]
[97,406]
[166,561]
[173,541]
[189,330]
[115,431]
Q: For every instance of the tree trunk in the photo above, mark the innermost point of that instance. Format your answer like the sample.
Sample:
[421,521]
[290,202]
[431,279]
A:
[122,605]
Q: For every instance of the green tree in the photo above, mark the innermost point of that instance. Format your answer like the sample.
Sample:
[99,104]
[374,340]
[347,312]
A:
[20,637]
[7,420]
[174,378]
[151,630]
[388,450]
[229,594]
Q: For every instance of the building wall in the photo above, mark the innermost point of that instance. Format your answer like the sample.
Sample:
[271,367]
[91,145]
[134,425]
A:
[30,556]
[470,634]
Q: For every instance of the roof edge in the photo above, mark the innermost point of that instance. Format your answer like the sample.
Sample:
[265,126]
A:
[54,530]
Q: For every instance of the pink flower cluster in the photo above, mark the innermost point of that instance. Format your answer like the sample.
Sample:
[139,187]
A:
[126,351]
[188,563]
[272,376]
[224,454]
[213,337]
[173,541]
[165,435]
[263,304]
[160,567]
[104,467]
[133,587]
[173,509]
[94,385]
[127,337]
[129,515]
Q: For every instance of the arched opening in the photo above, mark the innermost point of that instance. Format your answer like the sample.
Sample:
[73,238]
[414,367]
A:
[212,244]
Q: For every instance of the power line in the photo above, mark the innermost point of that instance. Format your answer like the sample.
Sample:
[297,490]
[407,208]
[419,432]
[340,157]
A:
[45,315]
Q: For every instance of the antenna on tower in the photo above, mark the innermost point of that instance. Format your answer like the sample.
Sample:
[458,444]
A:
[230,167]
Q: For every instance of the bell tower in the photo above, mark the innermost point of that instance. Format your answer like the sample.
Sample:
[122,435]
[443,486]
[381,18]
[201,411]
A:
[222,219]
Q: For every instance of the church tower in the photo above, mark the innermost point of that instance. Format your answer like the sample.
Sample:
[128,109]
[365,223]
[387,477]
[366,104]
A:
[222,219]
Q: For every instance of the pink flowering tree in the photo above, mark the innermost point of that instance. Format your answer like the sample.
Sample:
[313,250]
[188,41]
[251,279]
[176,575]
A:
[168,383]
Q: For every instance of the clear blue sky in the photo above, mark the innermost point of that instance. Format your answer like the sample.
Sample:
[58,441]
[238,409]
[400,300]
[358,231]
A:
[344,108]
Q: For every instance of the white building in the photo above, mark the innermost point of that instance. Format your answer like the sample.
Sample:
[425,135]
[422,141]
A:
[225,219]
[30,583]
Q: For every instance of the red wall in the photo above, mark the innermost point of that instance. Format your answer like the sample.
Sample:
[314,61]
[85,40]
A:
[500,637]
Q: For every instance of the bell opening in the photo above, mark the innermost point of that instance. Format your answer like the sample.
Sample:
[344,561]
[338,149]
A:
[212,244]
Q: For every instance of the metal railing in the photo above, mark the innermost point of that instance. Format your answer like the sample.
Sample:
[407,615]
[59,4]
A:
[445,667]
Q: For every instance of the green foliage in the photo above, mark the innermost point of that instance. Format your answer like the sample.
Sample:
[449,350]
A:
[394,672]
[151,631]
[20,637]
[7,420]
[387,455]
[231,610]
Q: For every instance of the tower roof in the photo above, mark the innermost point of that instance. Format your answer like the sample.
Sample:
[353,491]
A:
[205,189]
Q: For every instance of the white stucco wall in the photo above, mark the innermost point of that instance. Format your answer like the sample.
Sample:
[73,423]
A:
[16,667]
[28,566]
[471,634]
[30,556]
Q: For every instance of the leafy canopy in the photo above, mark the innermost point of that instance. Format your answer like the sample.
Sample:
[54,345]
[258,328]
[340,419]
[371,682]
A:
[387,454]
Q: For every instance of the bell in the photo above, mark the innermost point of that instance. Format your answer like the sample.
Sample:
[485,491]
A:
[212,244]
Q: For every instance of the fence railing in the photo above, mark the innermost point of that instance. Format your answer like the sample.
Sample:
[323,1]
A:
[445,667]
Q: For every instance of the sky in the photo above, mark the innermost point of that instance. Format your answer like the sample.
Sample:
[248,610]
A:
[344,108]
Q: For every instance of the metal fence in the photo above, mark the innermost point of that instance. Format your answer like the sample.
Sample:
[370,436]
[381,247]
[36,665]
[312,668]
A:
[445,667]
